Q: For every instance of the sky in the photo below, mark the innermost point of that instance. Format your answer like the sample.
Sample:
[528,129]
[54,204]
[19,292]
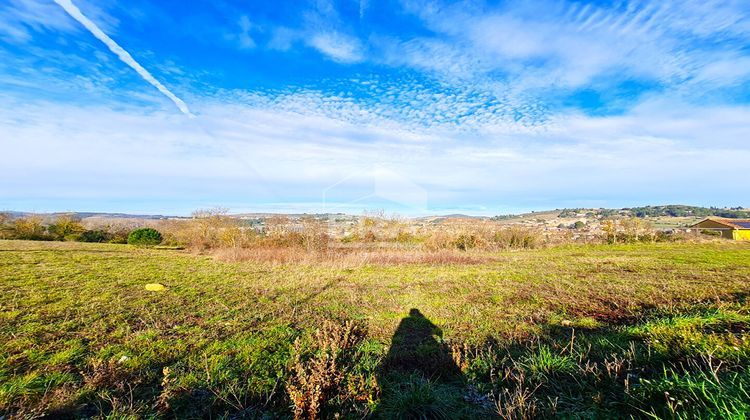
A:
[410,106]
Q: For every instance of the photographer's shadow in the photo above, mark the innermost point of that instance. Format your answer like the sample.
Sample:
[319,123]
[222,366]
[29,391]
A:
[417,364]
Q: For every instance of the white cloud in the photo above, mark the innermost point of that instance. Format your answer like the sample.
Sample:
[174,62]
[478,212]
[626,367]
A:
[405,104]
[570,45]
[19,17]
[246,152]
[126,58]
[337,46]
[243,38]
[482,134]
[282,38]
[363,6]
[323,30]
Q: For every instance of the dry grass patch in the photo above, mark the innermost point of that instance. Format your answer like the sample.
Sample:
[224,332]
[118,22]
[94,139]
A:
[349,257]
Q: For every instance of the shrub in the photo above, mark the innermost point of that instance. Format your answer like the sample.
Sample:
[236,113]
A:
[438,240]
[29,228]
[65,228]
[467,241]
[117,235]
[6,229]
[376,226]
[284,240]
[405,237]
[482,237]
[308,233]
[208,229]
[369,236]
[314,234]
[516,238]
[93,236]
[628,230]
[144,236]
[351,238]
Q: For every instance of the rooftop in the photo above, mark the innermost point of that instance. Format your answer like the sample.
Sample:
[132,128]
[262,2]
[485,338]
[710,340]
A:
[734,223]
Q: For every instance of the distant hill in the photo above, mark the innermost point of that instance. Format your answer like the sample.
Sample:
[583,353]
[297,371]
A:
[460,216]
[670,210]
[683,211]
[447,217]
[86,215]
[291,215]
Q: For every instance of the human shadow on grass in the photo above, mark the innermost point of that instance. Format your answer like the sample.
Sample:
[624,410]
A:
[418,377]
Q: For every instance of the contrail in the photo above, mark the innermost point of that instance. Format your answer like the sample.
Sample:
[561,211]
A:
[126,58]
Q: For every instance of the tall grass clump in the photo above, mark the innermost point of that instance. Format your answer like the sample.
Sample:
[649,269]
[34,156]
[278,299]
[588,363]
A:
[545,363]
[417,397]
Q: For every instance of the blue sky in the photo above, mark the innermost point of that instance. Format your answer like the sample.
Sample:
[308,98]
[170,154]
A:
[416,107]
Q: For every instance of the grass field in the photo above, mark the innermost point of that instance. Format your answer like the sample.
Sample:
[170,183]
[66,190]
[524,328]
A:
[598,330]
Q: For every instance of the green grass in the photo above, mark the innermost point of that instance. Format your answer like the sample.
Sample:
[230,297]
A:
[598,330]
[701,394]
[545,363]
[415,397]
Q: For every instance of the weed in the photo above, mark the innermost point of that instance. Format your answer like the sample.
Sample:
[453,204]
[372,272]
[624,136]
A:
[516,402]
[318,372]
[545,363]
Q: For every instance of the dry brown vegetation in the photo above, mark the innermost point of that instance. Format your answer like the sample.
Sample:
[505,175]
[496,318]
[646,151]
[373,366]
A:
[379,239]
[375,239]
[372,239]
[346,257]
[206,229]
[320,371]
[67,227]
